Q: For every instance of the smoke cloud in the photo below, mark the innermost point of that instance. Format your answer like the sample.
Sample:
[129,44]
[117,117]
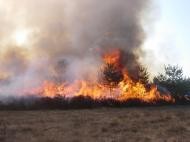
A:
[66,39]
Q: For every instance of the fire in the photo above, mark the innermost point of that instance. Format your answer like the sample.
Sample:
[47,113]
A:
[123,90]
[112,57]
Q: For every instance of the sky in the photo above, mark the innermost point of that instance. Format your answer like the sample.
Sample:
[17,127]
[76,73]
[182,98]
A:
[168,37]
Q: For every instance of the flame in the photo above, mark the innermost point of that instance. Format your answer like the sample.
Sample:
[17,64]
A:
[112,57]
[125,90]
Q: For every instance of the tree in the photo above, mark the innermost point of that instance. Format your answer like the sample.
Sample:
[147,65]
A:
[173,80]
[173,73]
[111,75]
[143,75]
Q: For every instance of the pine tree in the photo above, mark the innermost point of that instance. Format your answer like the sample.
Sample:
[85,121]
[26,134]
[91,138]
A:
[111,75]
[143,76]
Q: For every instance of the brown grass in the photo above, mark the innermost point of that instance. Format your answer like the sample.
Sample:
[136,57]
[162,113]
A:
[148,124]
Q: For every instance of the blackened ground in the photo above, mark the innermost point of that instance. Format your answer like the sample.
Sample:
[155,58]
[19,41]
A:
[80,102]
[134,124]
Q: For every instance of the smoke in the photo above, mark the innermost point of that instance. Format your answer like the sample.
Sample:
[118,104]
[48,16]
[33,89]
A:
[66,39]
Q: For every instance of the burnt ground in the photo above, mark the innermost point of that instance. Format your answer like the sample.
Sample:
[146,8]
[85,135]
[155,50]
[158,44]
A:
[133,124]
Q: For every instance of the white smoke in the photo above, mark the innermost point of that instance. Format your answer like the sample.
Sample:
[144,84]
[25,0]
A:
[66,38]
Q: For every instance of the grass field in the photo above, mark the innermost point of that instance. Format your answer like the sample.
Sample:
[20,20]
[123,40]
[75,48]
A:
[141,124]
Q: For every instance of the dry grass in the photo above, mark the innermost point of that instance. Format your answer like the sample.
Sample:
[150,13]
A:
[150,124]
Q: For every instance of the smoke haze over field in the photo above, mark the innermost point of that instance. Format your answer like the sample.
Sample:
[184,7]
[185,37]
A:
[64,40]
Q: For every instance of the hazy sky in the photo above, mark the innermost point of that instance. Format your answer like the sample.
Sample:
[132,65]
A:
[169,36]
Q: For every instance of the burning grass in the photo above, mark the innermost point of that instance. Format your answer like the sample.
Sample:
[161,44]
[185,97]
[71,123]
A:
[114,87]
[113,83]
